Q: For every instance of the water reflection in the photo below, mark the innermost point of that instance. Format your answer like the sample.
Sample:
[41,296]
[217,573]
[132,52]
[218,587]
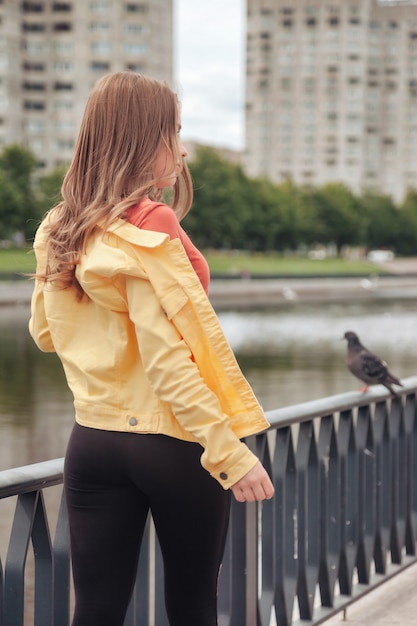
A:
[298,355]
[36,412]
[288,356]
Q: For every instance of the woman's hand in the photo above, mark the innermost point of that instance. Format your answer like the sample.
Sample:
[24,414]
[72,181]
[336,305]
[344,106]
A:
[255,485]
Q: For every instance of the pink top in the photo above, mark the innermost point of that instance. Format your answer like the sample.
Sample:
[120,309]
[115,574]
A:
[160,217]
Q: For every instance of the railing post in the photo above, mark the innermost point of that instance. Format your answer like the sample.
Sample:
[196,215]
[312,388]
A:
[329,510]
[348,501]
[308,519]
[29,522]
[286,525]
[62,568]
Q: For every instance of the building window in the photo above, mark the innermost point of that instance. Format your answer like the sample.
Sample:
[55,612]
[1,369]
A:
[136,7]
[61,27]
[100,27]
[33,7]
[32,105]
[63,105]
[64,126]
[63,66]
[63,47]
[34,47]
[100,66]
[135,67]
[135,48]
[64,144]
[63,7]
[35,27]
[101,46]
[34,86]
[100,5]
[35,126]
[58,86]
[33,67]
[135,29]
[286,84]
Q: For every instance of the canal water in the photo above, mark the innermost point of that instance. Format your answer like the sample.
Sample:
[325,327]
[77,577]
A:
[289,355]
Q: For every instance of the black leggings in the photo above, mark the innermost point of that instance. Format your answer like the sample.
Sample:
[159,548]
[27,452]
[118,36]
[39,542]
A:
[111,481]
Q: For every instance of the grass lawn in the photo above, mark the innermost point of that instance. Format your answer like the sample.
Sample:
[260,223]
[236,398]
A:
[238,263]
[17,260]
[264,264]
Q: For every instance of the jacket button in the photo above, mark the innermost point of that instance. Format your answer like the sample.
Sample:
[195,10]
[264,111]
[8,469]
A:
[223,476]
[133,421]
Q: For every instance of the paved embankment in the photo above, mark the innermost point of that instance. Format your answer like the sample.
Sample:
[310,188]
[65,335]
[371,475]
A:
[394,603]
[15,292]
[273,292]
[255,292]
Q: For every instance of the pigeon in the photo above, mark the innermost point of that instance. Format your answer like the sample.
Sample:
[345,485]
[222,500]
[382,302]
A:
[367,366]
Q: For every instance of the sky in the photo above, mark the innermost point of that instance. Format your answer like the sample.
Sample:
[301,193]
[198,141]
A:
[209,70]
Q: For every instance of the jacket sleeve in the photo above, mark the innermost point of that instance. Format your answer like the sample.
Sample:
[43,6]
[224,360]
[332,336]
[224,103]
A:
[175,378]
[38,324]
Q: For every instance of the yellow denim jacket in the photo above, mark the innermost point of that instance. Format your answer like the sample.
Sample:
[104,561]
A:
[145,352]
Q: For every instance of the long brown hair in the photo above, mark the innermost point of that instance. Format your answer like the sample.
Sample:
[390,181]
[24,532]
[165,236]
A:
[126,120]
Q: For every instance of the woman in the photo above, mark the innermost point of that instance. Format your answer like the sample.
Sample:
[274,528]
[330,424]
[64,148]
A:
[161,405]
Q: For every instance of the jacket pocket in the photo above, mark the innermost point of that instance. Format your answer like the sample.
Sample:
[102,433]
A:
[173,301]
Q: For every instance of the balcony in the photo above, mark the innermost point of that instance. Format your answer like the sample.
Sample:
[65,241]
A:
[343,521]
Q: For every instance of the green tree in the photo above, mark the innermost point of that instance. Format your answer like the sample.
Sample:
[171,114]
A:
[11,205]
[406,242]
[222,201]
[276,221]
[381,219]
[17,197]
[49,189]
[337,216]
[261,230]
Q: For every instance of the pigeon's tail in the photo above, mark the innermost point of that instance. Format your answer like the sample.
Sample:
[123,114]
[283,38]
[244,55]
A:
[390,379]
[388,384]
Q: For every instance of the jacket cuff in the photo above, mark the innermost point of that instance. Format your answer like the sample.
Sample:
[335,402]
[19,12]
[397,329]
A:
[234,468]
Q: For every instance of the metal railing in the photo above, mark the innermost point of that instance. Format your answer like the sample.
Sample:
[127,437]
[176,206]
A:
[343,520]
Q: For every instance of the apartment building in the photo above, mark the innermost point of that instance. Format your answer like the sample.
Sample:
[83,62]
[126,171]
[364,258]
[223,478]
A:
[331,93]
[53,52]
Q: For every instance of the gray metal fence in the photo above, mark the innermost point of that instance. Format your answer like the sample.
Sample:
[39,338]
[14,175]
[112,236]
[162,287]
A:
[343,520]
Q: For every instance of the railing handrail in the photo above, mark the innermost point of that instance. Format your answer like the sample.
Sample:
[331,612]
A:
[298,413]
[35,477]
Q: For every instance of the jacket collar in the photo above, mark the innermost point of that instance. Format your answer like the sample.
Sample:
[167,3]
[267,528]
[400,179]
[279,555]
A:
[136,236]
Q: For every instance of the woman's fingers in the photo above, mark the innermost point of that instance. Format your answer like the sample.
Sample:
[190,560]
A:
[254,486]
